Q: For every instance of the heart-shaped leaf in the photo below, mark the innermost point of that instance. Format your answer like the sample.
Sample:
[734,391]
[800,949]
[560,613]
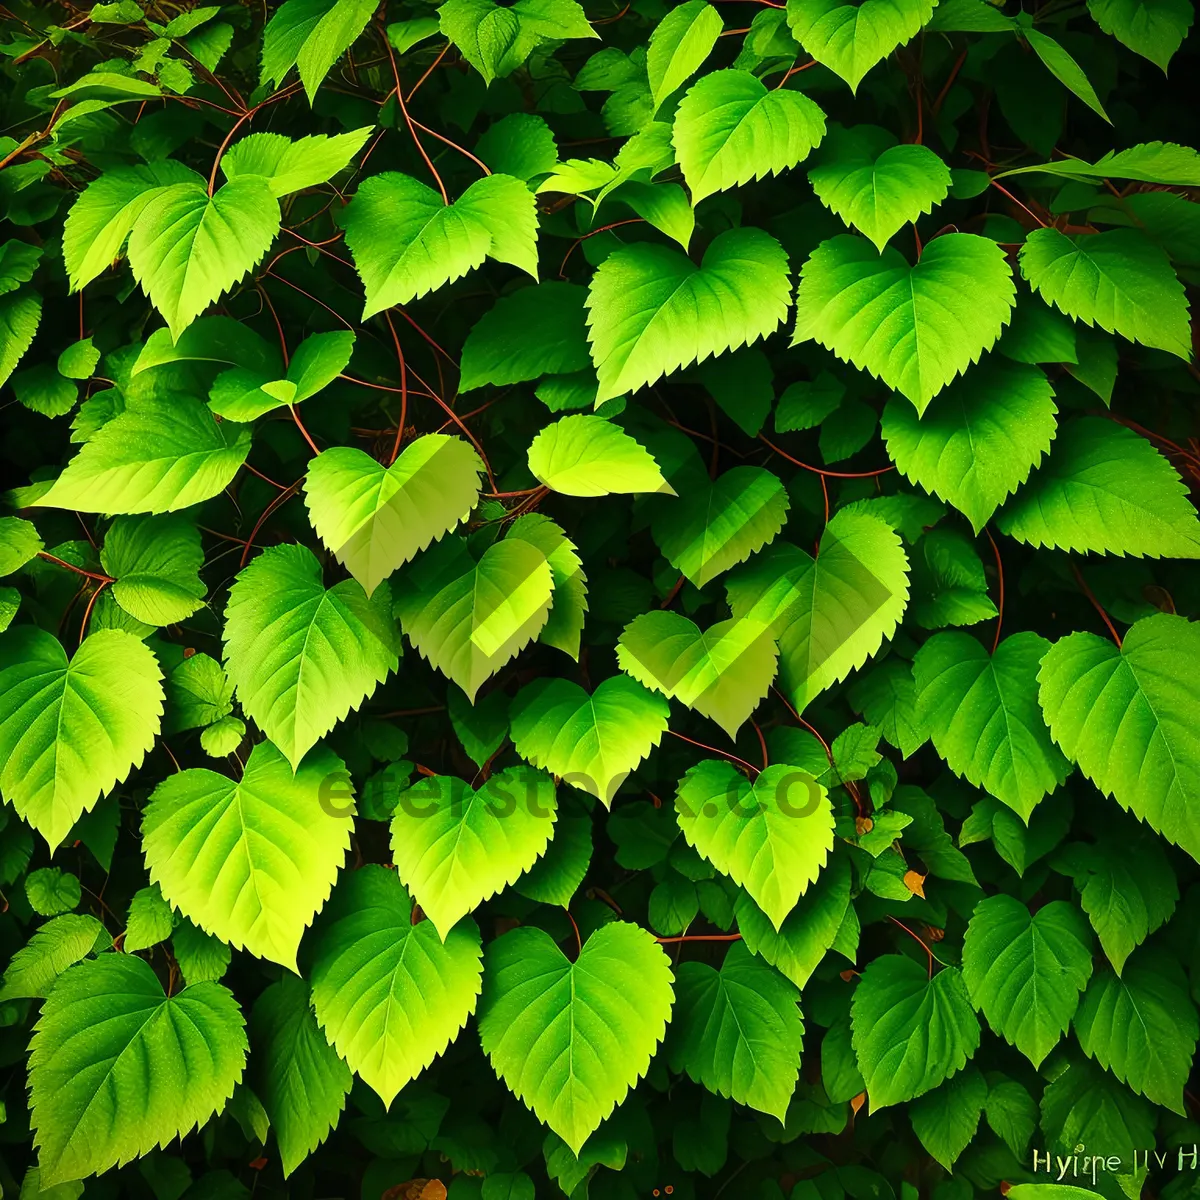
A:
[70,731]
[469,618]
[250,861]
[914,327]
[390,995]
[188,247]
[570,1038]
[589,456]
[874,184]
[982,712]
[771,837]
[302,657]
[830,613]
[407,241]
[710,530]
[722,672]
[591,742]
[851,38]
[730,129]
[455,847]
[375,518]
[651,310]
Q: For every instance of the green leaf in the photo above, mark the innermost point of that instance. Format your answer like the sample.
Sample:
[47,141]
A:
[156,563]
[521,145]
[1087,1106]
[831,613]
[404,35]
[589,456]
[159,455]
[469,618]
[887,697]
[318,361]
[210,340]
[1127,888]
[41,389]
[570,1038]
[707,532]
[19,544]
[249,861]
[109,85]
[1025,973]
[20,315]
[1155,29]
[978,441]
[289,166]
[18,263]
[301,1080]
[373,519]
[851,39]
[198,693]
[914,328]
[558,874]
[100,1101]
[311,35]
[771,837]
[151,920]
[223,737]
[564,626]
[651,310]
[1064,68]
[946,1119]
[1119,280]
[910,1033]
[35,968]
[722,672]
[71,731]
[1011,1113]
[188,248]
[1104,489]
[1127,716]
[797,947]
[1150,162]
[982,714]
[1142,1026]
[729,129]
[536,331]
[680,43]
[200,955]
[590,742]
[875,185]
[78,361]
[455,847]
[51,891]
[950,584]
[407,243]
[105,213]
[738,1031]
[301,657]
[390,995]
[496,40]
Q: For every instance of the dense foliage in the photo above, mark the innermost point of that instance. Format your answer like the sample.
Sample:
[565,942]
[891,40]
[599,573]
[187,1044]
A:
[599,599]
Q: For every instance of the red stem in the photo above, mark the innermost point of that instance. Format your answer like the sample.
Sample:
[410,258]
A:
[1000,598]
[917,939]
[701,937]
[403,390]
[714,750]
[828,474]
[99,578]
[1087,591]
